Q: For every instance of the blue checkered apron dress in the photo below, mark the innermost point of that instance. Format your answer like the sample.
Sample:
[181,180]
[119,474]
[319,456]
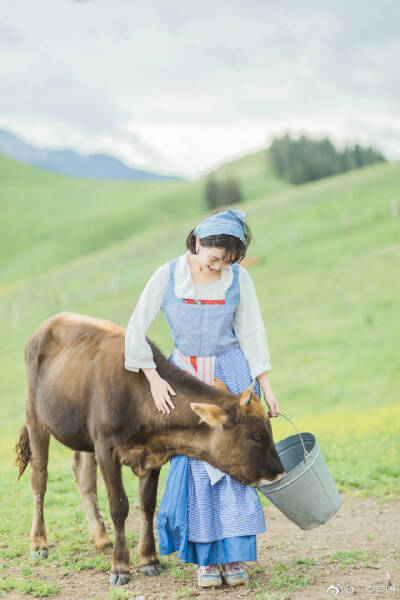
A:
[204,523]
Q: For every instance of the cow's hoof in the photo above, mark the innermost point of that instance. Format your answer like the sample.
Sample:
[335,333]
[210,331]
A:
[39,553]
[103,543]
[106,548]
[151,570]
[119,578]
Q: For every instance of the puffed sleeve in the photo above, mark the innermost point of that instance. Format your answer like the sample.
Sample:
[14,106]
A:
[138,353]
[249,326]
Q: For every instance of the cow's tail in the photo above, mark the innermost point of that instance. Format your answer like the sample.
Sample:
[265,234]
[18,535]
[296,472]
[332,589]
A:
[23,451]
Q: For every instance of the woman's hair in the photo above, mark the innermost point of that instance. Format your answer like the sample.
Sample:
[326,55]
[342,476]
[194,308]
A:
[234,247]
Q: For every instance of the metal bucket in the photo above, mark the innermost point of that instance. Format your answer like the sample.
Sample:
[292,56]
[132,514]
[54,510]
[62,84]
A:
[306,494]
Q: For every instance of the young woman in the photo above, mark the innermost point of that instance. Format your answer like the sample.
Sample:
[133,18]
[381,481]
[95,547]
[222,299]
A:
[212,310]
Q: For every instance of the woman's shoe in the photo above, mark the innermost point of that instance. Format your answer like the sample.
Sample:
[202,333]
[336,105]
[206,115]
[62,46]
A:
[235,573]
[208,576]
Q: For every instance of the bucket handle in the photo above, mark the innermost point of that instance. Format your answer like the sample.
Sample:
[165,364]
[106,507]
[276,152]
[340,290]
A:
[306,453]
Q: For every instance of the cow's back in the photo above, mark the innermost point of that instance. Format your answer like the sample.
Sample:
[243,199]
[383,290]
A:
[62,359]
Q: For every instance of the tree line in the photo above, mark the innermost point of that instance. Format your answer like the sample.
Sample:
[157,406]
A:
[306,159]
[221,192]
[297,161]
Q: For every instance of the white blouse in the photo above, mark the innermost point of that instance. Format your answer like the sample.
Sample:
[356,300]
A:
[247,324]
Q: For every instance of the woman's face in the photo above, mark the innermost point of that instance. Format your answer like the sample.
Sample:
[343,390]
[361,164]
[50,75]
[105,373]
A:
[211,259]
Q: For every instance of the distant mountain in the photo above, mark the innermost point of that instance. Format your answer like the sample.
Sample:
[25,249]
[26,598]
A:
[69,162]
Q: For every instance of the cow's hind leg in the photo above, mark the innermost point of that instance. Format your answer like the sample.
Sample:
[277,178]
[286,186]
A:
[84,467]
[39,439]
[149,563]
[119,508]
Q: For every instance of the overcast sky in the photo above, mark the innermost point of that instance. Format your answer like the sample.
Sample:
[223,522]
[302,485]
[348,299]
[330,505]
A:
[178,86]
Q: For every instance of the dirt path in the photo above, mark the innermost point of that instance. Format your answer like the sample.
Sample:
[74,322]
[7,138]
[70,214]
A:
[365,531]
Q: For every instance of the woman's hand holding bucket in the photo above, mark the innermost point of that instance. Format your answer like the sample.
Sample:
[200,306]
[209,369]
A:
[269,396]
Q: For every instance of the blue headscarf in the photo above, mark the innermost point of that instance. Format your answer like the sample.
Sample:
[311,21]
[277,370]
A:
[228,221]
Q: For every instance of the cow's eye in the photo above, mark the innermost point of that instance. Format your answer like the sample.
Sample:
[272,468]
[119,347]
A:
[257,438]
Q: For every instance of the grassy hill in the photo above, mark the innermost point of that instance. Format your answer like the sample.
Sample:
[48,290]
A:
[327,278]
[254,173]
[49,219]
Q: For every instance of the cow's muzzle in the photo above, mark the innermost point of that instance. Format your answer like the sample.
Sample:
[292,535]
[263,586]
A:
[265,481]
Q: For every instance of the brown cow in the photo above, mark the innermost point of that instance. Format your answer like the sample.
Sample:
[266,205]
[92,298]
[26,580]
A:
[80,391]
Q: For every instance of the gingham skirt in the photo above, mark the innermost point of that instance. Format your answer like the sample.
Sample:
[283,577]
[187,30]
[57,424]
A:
[202,521]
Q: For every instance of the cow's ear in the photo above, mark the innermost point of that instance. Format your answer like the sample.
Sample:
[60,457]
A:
[221,385]
[212,414]
[246,394]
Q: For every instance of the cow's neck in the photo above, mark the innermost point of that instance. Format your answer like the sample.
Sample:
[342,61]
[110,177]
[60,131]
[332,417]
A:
[189,442]
[182,416]
[159,447]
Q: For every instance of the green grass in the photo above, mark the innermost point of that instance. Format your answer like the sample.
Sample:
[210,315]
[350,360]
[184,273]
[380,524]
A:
[305,563]
[48,219]
[71,549]
[282,577]
[328,285]
[184,592]
[354,558]
[38,589]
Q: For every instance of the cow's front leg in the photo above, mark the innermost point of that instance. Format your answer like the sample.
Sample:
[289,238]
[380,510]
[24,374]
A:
[149,563]
[85,470]
[119,508]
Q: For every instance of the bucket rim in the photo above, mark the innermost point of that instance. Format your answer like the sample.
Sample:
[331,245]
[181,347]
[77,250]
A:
[297,438]
[295,473]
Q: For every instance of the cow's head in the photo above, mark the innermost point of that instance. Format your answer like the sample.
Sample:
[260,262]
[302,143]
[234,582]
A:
[240,439]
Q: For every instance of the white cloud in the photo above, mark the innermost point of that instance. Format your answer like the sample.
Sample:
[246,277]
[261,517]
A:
[178,86]
[49,91]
